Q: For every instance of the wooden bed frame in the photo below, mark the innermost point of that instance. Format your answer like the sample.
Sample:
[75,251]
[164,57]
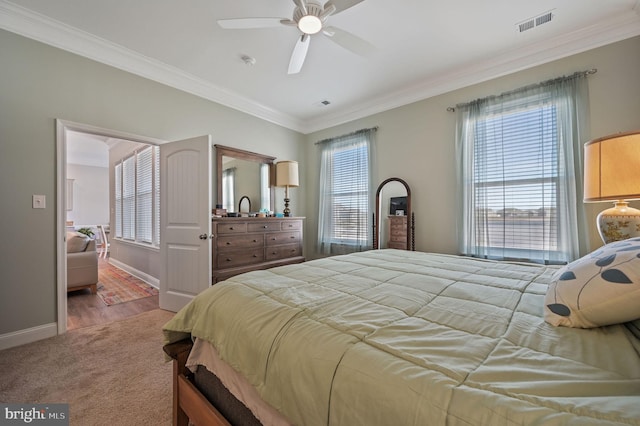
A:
[188,401]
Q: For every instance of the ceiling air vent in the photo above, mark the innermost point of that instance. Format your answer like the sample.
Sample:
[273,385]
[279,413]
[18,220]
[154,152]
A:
[322,103]
[534,22]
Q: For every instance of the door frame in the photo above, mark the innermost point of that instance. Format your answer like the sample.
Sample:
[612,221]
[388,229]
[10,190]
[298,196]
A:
[62,129]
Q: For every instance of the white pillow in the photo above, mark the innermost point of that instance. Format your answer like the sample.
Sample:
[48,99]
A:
[601,288]
[76,242]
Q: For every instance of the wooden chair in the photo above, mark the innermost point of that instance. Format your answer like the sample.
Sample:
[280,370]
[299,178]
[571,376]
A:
[104,242]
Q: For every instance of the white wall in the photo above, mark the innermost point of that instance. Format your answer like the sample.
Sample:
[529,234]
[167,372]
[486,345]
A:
[90,195]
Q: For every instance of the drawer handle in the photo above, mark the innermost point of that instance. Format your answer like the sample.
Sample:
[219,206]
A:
[228,243]
[265,226]
[293,237]
[255,241]
[228,260]
[231,228]
[255,255]
[274,252]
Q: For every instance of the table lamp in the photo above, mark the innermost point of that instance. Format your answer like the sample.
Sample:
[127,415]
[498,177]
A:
[287,175]
[612,173]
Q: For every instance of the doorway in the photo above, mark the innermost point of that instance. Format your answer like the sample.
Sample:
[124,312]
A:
[71,134]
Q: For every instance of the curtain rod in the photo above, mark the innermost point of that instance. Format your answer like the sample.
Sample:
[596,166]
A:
[346,135]
[575,74]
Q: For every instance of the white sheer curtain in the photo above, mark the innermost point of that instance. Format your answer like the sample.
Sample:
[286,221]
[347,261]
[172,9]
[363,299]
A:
[520,173]
[346,188]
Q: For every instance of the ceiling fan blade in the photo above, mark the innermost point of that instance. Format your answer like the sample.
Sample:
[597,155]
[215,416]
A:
[248,23]
[299,54]
[349,41]
[302,4]
[342,4]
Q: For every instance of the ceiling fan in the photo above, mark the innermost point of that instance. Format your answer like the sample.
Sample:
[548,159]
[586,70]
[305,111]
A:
[309,16]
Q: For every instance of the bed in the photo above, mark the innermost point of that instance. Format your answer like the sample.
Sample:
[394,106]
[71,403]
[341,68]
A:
[408,338]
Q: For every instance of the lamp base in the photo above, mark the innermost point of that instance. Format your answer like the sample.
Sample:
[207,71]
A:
[286,211]
[619,223]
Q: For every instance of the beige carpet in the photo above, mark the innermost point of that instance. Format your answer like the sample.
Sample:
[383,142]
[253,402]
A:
[113,374]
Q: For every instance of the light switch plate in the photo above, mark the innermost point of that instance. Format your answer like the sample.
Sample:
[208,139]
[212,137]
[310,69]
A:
[39,201]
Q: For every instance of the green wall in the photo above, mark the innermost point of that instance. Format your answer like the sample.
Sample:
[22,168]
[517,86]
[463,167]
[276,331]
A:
[39,84]
[416,142]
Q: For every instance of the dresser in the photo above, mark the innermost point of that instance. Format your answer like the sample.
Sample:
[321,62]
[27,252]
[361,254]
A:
[245,244]
[397,232]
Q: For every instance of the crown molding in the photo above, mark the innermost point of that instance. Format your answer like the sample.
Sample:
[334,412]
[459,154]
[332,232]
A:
[607,32]
[38,27]
[32,25]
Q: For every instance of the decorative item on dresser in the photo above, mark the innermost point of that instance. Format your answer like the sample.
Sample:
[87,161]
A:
[612,173]
[246,244]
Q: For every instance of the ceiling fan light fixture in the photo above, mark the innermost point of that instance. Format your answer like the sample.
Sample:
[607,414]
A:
[310,24]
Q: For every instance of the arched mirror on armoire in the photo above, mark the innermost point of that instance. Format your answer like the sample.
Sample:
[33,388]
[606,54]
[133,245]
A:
[393,219]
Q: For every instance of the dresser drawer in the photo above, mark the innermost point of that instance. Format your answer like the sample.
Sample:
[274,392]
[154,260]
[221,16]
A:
[398,237]
[231,228]
[290,225]
[233,242]
[263,226]
[231,258]
[277,238]
[283,251]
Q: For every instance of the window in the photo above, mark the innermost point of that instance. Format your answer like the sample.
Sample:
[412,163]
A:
[345,190]
[137,196]
[518,173]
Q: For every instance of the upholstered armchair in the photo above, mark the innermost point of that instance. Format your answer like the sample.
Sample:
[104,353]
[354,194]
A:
[82,262]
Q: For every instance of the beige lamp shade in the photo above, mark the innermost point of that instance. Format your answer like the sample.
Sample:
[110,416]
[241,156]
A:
[612,173]
[612,168]
[287,173]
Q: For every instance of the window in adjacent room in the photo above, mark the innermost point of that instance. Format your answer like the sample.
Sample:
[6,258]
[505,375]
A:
[520,173]
[137,197]
[345,193]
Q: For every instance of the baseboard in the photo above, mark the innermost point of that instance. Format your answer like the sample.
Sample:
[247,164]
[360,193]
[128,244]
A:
[152,281]
[28,335]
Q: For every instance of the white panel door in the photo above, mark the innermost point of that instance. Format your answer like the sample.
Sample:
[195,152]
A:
[185,220]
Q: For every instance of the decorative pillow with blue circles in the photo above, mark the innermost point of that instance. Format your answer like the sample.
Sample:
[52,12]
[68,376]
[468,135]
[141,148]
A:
[601,288]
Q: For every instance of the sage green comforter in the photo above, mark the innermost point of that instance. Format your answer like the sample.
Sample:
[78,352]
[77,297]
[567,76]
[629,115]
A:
[391,337]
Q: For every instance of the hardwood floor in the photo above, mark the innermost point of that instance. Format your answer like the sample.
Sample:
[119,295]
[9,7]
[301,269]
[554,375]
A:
[85,309]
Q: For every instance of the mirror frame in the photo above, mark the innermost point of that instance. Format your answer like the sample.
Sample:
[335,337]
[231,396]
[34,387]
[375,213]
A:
[409,214]
[241,154]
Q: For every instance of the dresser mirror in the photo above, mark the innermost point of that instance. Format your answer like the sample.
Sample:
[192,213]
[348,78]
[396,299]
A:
[243,176]
[393,220]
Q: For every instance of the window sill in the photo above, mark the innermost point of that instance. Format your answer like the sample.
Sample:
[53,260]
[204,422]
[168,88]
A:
[145,246]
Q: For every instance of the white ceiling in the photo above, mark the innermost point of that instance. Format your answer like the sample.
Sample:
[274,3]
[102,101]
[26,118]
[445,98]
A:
[423,48]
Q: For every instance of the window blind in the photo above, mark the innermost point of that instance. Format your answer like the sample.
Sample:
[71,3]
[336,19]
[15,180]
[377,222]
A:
[118,196]
[137,196]
[156,189]
[128,198]
[144,195]
[516,180]
[350,194]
